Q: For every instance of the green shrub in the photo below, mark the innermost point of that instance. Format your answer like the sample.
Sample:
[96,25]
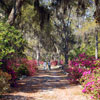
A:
[22,70]
[11,41]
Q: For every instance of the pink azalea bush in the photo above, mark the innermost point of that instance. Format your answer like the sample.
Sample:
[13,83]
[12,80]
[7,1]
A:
[41,62]
[54,62]
[17,67]
[7,66]
[78,66]
[86,71]
[82,60]
[75,74]
[90,81]
[31,66]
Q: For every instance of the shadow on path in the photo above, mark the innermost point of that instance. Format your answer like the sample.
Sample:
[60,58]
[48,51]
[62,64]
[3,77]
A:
[43,80]
[46,85]
[16,97]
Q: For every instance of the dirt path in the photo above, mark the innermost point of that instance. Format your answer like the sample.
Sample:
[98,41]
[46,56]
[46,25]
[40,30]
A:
[46,85]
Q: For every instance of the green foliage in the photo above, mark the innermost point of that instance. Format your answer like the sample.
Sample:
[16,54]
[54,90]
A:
[21,70]
[11,40]
[86,45]
[88,39]
[75,52]
[89,44]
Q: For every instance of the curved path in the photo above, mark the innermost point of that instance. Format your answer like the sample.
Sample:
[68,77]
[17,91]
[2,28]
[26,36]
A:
[46,85]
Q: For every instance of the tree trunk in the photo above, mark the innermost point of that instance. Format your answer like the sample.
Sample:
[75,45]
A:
[66,32]
[14,12]
[66,49]
[96,45]
[37,55]
[66,53]
[66,58]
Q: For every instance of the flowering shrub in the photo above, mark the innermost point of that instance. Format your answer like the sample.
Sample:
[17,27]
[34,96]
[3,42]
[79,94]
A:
[41,62]
[30,65]
[23,66]
[78,65]
[18,67]
[61,62]
[81,65]
[4,81]
[75,74]
[7,66]
[54,63]
[82,60]
[91,83]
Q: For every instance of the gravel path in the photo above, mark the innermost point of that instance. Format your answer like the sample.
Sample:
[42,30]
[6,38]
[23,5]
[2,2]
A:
[46,85]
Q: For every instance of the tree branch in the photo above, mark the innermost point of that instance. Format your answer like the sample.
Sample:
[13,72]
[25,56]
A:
[14,12]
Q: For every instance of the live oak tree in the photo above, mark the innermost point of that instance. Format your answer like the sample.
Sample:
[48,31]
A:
[44,12]
[13,8]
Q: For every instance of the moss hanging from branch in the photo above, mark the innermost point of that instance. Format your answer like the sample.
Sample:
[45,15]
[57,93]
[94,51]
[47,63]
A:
[81,5]
[43,12]
[61,4]
[97,12]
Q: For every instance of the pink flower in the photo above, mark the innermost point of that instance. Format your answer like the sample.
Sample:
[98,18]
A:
[92,97]
[84,90]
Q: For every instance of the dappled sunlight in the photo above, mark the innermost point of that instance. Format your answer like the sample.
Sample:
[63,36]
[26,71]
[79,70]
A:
[43,81]
[46,85]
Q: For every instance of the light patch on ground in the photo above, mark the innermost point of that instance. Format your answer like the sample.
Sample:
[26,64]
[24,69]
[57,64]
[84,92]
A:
[46,85]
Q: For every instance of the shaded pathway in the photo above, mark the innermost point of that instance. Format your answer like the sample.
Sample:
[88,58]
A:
[46,85]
